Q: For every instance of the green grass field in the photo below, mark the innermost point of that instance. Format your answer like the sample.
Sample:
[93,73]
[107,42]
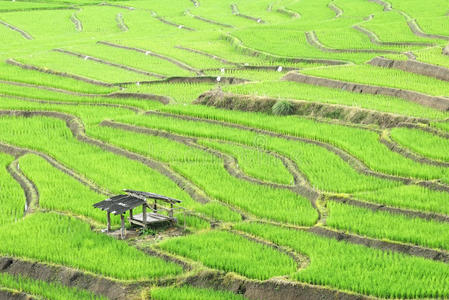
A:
[305,169]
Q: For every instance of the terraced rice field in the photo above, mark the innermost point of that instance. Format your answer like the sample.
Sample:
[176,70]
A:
[308,141]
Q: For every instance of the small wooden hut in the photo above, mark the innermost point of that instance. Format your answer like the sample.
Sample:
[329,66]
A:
[162,208]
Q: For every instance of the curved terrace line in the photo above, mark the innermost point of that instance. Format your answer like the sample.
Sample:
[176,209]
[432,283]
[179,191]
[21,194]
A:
[348,115]
[215,57]
[116,5]
[124,95]
[390,209]
[411,66]
[105,62]
[179,79]
[229,162]
[57,165]
[121,23]
[165,21]
[395,147]
[154,54]
[375,39]
[312,39]
[77,128]
[428,129]
[288,12]
[13,62]
[29,188]
[24,34]
[351,160]
[77,22]
[338,11]
[66,276]
[303,261]
[236,12]
[409,249]
[208,20]
[414,27]
[439,103]
[268,56]
[387,6]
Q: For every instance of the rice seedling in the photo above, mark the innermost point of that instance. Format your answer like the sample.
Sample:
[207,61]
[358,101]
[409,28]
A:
[51,291]
[232,253]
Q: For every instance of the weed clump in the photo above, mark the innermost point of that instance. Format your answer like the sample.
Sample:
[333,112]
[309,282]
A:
[282,108]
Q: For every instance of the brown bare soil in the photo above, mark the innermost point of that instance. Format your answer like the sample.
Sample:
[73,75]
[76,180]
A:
[288,13]
[439,103]
[349,114]
[76,22]
[66,276]
[29,188]
[14,295]
[199,79]
[275,289]
[412,66]
[236,12]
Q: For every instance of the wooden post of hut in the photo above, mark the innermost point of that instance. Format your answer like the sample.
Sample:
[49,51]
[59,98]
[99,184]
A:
[109,221]
[122,231]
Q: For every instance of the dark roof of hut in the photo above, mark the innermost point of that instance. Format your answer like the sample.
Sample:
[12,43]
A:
[119,204]
[148,195]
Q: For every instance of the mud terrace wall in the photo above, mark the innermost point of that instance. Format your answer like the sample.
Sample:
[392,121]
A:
[272,289]
[412,67]
[439,103]
[305,108]
[8,295]
[66,276]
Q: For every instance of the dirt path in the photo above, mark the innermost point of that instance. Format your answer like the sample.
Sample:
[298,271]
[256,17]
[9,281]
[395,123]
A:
[408,249]
[154,54]
[395,147]
[121,22]
[57,73]
[199,79]
[387,6]
[209,20]
[14,295]
[222,60]
[304,108]
[412,66]
[66,276]
[56,164]
[301,260]
[124,95]
[414,27]
[130,108]
[22,33]
[105,62]
[272,57]
[354,162]
[289,13]
[116,5]
[230,163]
[338,11]
[236,12]
[375,39]
[312,39]
[165,21]
[29,188]
[439,103]
[392,210]
[77,22]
